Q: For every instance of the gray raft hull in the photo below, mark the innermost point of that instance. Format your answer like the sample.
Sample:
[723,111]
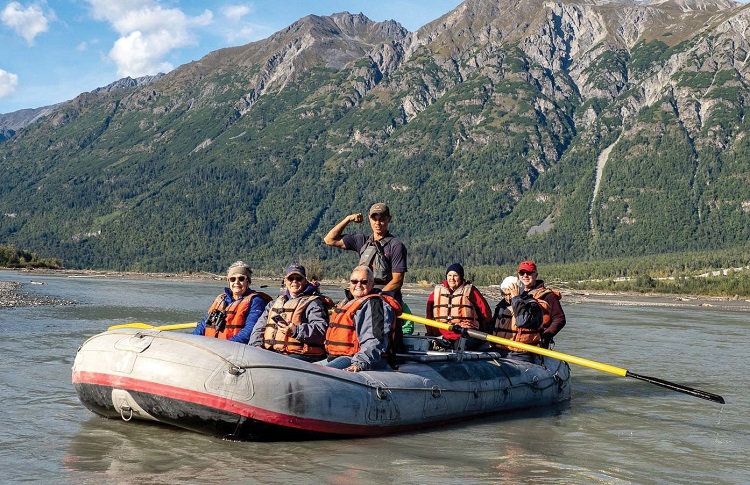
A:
[232,390]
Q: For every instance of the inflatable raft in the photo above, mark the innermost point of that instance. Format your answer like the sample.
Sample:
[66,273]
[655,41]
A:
[240,392]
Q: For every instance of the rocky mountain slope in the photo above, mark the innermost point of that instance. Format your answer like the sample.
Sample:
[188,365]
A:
[559,130]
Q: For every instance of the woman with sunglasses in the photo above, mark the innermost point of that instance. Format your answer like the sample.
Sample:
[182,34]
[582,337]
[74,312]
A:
[233,314]
[295,323]
[555,320]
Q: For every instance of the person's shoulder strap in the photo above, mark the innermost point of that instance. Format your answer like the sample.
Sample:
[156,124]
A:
[264,296]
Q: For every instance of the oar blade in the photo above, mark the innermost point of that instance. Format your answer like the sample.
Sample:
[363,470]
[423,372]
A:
[678,387]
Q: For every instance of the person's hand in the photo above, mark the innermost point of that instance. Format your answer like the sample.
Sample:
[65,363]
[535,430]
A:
[358,218]
[355,367]
[514,290]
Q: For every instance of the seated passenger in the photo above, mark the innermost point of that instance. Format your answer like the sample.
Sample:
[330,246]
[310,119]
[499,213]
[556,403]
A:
[518,317]
[233,314]
[363,325]
[295,323]
[457,301]
[554,316]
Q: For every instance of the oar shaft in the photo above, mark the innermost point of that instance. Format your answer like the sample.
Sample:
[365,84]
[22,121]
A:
[518,345]
[146,326]
[565,357]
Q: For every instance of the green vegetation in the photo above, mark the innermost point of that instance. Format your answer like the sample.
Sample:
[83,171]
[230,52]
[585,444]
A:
[10,257]
[707,273]
[472,152]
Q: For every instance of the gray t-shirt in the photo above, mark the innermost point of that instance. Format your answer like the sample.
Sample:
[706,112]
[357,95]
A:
[394,250]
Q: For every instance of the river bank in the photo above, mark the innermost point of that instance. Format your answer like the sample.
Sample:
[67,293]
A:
[16,293]
[12,296]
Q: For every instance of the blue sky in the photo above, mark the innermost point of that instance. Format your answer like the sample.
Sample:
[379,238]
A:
[53,50]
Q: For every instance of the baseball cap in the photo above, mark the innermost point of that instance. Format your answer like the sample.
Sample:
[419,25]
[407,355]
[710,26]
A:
[380,208]
[527,266]
[296,268]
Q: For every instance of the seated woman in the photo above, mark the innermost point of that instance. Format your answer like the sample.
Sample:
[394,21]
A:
[457,301]
[234,313]
[295,323]
[518,317]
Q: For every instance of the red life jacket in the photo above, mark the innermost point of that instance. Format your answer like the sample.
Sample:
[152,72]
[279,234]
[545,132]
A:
[341,336]
[293,311]
[236,314]
[455,307]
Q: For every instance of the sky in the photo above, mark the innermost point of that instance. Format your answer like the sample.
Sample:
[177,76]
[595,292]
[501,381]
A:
[53,50]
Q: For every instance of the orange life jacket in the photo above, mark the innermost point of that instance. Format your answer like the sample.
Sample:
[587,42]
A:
[538,294]
[455,307]
[341,336]
[293,311]
[236,314]
[507,329]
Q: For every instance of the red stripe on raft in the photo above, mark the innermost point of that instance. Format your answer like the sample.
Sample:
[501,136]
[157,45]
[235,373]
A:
[236,407]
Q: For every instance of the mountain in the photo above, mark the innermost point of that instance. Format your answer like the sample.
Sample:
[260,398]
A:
[12,122]
[559,130]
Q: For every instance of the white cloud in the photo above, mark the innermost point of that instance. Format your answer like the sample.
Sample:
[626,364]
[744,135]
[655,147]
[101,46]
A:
[234,29]
[148,33]
[8,83]
[234,13]
[27,22]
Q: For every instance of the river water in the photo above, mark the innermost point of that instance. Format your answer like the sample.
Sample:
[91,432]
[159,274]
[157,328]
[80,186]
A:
[614,430]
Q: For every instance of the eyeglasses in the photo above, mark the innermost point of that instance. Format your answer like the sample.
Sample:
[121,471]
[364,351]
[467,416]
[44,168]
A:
[361,282]
[524,273]
[241,279]
[295,278]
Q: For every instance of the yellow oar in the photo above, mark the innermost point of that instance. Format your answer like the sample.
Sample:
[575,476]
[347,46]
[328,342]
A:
[564,357]
[175,326]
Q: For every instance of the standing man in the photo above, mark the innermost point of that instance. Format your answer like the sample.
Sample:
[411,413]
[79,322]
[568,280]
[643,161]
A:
[382,252]
[551,326]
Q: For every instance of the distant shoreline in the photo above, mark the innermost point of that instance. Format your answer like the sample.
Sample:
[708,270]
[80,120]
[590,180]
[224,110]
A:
[11,294]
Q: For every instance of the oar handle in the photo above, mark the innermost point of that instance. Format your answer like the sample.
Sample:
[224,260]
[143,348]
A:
[564,357]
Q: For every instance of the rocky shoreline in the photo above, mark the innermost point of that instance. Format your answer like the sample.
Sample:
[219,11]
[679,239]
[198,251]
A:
[11,296]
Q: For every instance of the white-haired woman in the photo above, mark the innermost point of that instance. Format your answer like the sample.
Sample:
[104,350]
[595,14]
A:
[518,317]
[233,313]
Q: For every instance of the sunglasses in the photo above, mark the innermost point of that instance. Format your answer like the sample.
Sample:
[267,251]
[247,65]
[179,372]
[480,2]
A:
[361,282]
[524,273]
[241,279]
[295,278]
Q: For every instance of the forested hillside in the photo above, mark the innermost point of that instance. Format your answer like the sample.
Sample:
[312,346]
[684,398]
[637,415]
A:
[560,131]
